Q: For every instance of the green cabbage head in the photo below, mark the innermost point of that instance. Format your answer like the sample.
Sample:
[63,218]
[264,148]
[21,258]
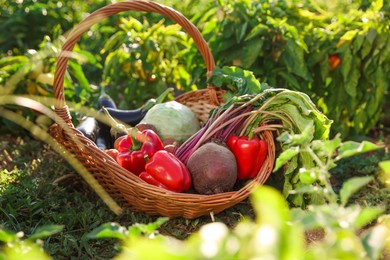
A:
[172,120]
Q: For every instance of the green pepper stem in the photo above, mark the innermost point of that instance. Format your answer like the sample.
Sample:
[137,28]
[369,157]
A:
[135,144]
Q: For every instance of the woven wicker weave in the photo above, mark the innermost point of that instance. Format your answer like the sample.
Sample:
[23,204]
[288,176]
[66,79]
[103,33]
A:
[122,185]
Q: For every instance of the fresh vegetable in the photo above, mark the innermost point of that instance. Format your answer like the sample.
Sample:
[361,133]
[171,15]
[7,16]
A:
[272,109]
[334,61]
[95,130]
[137,148]
[213,169]
[170,148]
[171,144]
[103,139]
[112,152]
[105,100]
[118,140]
[89,128]
[143,126]
[117,129]
[250,154]
[173,120]
[133,117]
[166,171]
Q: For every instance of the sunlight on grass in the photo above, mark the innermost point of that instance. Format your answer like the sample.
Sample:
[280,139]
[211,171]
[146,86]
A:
[45,137]
[7,178]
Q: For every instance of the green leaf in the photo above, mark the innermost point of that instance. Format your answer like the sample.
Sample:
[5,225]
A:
[113,41]
[259,29]
[307,189]
[270,207]
[301,139]
[305,137]
[240,31]
[365,50]
[327,147]
[109,230]
[285,156]
[348,36]
[375,241]
[385,166]
[350,148]
[236,80]
[293,58]
[385,52]
[45,231]
[90,58]
[371,35]
[8,60]
[152,227]
[250,52]
[377,5]
[291,79]
[351,84]
[307,176]
[304,217]
[78,73]
[346,64]
[351,186]
[357,43]
[366,216]
[6,236]
[287,185]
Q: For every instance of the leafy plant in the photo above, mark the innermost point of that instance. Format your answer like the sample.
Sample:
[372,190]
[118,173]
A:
[14,247]
[17,34]
[32,74]
[276,232]
[323,156]
[144,59]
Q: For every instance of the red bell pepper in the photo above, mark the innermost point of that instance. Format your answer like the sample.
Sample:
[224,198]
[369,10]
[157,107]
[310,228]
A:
[165,170]
[137,148]
[250,155]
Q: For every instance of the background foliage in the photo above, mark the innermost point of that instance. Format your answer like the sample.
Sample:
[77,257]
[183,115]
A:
[135,56]
[285,43]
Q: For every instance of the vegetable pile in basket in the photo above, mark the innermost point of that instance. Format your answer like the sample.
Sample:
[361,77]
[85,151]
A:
[168,147]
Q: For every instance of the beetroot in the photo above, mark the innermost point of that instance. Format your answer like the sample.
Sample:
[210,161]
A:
[213,169]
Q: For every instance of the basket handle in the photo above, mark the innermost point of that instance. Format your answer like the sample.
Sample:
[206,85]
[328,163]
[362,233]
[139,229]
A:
[107,11]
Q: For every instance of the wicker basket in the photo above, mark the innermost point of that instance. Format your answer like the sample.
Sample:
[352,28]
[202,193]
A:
[126,188]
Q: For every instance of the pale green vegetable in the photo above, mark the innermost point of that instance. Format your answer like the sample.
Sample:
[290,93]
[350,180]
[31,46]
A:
[172,120]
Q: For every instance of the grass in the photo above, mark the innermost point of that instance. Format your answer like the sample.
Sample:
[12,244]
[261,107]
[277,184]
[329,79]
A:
[38,188]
